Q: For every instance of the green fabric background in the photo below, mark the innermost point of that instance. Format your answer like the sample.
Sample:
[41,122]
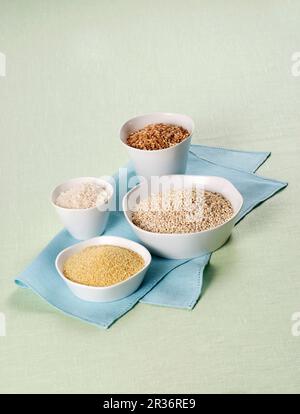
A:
[76,70]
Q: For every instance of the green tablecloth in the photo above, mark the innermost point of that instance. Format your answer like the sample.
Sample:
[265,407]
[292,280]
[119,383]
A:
[74,72]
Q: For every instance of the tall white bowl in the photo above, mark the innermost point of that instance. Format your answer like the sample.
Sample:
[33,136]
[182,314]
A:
[166,161]
[83,223]
[186,245]
[107,293]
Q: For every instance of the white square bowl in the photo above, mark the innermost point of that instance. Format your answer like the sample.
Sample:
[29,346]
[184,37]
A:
[172,160]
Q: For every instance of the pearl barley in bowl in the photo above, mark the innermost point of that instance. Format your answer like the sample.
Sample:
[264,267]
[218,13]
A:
[158,143]
[191,215]
[83,206]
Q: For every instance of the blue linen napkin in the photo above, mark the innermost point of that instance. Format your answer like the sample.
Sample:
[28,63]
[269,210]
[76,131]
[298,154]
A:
[254,190]
[163,284]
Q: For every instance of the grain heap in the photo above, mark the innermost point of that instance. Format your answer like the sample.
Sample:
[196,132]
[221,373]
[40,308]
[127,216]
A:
[85,195]
[157,137]
[182,211]
[102,265]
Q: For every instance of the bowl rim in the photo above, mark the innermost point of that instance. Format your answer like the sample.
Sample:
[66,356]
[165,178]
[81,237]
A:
[157,113]
[99,180]
[102,288]
[125,211]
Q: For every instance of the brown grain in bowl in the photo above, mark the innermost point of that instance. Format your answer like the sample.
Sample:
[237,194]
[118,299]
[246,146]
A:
[157,136]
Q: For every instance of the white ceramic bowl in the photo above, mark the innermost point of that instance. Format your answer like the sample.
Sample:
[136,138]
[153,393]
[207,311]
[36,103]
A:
[186,245]
[83,223]
[158,162]
[107,293]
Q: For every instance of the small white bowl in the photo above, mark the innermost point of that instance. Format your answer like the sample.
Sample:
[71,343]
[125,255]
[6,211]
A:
[166,161]
[186,245]
[107,293]
[83,223]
